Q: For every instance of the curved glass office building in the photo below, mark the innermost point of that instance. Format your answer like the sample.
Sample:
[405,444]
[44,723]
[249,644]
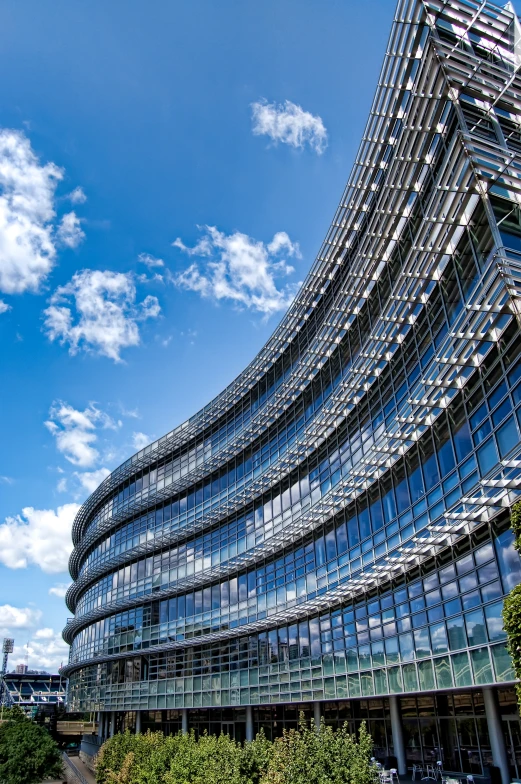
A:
[331,533]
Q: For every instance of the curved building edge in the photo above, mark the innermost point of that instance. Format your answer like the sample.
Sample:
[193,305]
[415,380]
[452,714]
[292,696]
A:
[332,530]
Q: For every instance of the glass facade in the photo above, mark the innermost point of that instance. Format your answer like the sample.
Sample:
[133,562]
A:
[333,527]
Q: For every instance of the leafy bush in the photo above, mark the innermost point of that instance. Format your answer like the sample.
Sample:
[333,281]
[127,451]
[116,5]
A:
[512,605]
[329,756]
[176,759]
[210,760]
[254,759]
[28,754]
[134,758]
[302,756]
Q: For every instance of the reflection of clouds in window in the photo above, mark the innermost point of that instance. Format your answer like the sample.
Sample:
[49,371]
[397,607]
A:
[508,560]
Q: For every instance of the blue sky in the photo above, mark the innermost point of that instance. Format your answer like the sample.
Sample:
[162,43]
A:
[167,174]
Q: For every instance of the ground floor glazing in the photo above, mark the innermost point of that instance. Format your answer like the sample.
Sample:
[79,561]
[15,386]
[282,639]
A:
[467,730]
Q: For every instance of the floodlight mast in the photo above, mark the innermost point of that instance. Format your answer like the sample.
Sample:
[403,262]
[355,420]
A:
[7,648]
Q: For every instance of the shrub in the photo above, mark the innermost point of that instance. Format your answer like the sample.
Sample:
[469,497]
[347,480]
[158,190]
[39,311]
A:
[210,760]
[141,758]
[302,756]
[305,756]
[254,759]
[176,759]
[512,605]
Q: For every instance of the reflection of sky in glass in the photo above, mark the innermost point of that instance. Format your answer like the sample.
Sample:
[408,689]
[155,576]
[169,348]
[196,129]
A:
[509,561]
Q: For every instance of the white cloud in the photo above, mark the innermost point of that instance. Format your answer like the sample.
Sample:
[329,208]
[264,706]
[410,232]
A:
[44,634]
[59,590]
[42,648]
[4,307]
[12,618]
[90,480]
[150,261]
[27,192]
[6,480]
[75,431]
[97,312]
[241,269]
[140,441]
[40,537]
[69,232]
[290,124]
[77,196]
[45,650]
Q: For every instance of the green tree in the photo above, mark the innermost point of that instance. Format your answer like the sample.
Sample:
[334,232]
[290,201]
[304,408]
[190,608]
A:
[512,605]
[27,752]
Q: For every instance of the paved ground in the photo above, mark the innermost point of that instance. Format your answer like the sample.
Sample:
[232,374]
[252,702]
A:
[81,768]
[84,770]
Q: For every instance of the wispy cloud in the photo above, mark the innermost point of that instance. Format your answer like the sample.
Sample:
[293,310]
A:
[90,480]
[77,196]
[238,268]
[76,431]
[59,590]
[150,261]
[288,123]
[97,312]
[69,232]
[140,440]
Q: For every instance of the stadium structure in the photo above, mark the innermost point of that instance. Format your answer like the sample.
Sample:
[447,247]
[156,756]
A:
[34,691]
[331,533]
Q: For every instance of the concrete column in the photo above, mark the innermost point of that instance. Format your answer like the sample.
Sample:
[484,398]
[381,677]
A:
[112,730]
[249,723]
[138,722]
[184,721]
[316,715]
[397,732]
[495,731]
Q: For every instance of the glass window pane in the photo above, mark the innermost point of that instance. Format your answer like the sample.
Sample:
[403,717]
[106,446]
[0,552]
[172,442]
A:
[487,456]
[380,682]
[426,675]
[443,672]
[395,680]
[456,633]
[476,627]
[481,666]
[507,436]
[495,621]
[422,643]
[502,663]
[508,560]
[439,638]
[353,682]
[461,666]
[410,679]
